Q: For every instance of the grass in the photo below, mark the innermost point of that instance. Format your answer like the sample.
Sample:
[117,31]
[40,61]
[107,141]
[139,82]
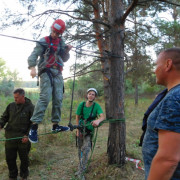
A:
[55,156]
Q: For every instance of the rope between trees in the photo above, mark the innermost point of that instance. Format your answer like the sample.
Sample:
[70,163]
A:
[23,136]
[105,121]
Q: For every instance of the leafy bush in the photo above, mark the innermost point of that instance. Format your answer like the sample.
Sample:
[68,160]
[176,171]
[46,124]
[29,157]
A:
[8,79]
[6,87]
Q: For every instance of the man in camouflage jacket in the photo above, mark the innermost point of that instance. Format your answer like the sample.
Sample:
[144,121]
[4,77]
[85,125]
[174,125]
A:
[16,122]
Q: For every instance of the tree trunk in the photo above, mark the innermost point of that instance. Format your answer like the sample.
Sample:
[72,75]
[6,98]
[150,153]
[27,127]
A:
[135,59]
[102,45]
[117,131]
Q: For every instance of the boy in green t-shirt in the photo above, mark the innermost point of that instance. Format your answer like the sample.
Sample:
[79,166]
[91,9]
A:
[86,115]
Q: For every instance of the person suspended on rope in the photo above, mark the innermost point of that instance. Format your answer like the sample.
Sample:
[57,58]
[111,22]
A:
[16,122]
[86,117]
[52,53]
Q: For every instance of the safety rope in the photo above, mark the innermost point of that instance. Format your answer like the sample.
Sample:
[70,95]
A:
[15,37]
[105,121]
[79,47]
[24,136]
[72,96]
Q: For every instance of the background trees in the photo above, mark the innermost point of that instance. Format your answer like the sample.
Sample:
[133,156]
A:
[8,79]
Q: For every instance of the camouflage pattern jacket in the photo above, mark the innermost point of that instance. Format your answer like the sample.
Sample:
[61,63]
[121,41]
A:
[57,51]
[16,119]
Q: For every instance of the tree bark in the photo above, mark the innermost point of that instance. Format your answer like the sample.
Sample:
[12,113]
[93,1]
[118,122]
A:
[135,59]
[117,131]
[102,45]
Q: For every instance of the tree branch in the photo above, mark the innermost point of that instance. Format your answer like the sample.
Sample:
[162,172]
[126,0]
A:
[169,2]
[74,17]
[100,70]
[129,9]
[89,2]
[89,55]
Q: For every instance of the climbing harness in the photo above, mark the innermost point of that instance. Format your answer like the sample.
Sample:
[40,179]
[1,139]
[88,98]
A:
[51,59]
[88,129]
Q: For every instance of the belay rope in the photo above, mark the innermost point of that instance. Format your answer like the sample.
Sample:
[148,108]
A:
[105,121]
[27,136]
[72,96]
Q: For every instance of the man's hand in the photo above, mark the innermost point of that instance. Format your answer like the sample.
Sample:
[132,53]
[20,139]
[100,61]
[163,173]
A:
[96,123]
[25,139]
[33,72]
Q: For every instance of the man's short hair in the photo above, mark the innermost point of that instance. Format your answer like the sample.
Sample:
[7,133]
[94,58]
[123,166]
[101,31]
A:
[174,54]
[20,91]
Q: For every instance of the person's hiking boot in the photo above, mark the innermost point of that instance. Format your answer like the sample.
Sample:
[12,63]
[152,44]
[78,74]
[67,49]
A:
[58,128]
[33,133]
[12,178]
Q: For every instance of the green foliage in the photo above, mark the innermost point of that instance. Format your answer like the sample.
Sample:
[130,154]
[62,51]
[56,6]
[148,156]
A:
[5,100]
[169,32]
[144,88]
[6,87]
[149,89]
[2,66]
[29,84]
[8,79]
[90,77]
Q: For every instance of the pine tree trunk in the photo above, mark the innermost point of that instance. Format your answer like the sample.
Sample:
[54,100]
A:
[117,131]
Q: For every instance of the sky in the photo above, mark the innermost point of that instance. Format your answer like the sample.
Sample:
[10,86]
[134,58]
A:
[16,52]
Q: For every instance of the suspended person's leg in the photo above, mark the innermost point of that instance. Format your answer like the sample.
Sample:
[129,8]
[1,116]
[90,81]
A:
[57,98]
[41,106]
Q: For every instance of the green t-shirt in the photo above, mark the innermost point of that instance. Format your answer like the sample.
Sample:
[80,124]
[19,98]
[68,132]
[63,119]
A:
[87,110]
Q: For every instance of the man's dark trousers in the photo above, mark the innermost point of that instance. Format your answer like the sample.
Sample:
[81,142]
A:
[12,148]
